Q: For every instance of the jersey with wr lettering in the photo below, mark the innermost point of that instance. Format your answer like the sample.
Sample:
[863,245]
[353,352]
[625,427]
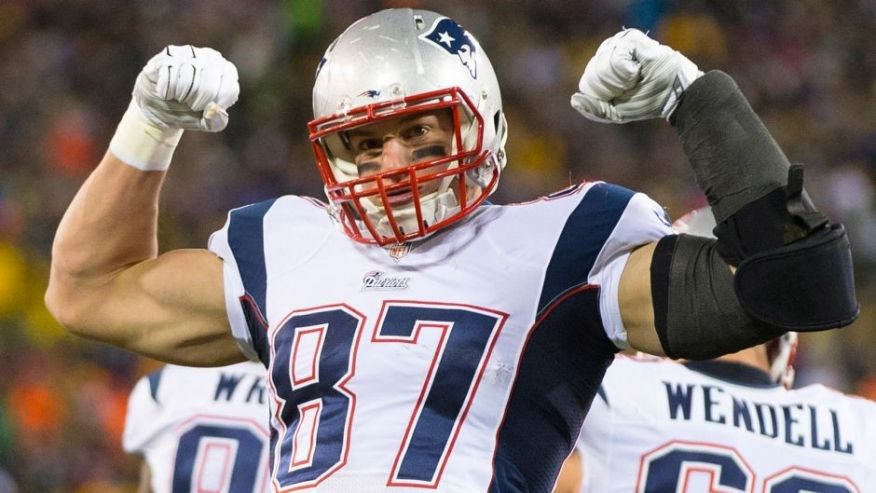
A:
[434,364]
[661,426]
[202,429]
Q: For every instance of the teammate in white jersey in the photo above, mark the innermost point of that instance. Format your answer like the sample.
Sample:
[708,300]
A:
[729,424]
[201,429]
[415,335]
[723,425]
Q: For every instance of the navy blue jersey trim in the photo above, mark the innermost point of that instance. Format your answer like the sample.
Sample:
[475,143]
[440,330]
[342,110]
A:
[566,353]
[154,380]
[603,395]
[733,372]
[246,237]
[582,238]
[258,328]
[562,364]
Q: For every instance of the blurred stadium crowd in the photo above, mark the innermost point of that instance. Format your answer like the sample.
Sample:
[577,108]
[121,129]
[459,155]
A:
[66,72]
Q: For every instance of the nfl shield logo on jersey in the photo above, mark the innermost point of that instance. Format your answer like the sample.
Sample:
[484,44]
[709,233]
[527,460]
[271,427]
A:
[399,250]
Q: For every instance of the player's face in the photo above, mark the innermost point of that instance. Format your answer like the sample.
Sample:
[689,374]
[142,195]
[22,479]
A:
[400,142]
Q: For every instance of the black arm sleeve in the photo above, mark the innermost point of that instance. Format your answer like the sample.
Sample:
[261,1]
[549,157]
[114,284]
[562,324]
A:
[789,255]
[696,312]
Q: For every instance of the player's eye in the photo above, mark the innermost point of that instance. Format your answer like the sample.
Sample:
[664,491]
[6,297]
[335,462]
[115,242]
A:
[416,131]
[365,145]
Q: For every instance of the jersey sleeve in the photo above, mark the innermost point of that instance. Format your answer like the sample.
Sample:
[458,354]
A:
[142,415]
[240,245]
[600,225]
[643,221]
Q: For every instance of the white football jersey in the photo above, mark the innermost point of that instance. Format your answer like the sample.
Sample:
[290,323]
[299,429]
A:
[717,426]
[202,429]
[461,363]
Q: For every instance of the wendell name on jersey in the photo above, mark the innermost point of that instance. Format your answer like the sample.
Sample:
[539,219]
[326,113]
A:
[803,424]
[720,425]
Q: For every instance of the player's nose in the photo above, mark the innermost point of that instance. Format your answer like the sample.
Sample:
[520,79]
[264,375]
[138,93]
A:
[395,155]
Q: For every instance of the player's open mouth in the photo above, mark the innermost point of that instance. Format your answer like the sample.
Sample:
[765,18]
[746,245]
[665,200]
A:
[401,196]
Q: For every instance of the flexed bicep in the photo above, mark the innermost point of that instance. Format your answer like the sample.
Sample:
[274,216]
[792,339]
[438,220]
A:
[169,308]
[107,281]
[172,308]
[636,303]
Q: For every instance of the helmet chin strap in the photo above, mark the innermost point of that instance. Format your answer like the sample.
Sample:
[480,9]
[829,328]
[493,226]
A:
[434,207]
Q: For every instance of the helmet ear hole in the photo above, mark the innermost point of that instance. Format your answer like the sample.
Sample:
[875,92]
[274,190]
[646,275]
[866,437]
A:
[500,124]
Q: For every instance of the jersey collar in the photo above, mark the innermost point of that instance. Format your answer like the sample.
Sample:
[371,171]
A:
[732,372]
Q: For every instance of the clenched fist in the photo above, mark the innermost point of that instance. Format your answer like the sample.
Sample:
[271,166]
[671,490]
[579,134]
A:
[632,77]
[181,88]
[185,87]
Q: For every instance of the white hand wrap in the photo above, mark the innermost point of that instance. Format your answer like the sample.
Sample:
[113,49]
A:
[143,145]
[183,87]
[632,77]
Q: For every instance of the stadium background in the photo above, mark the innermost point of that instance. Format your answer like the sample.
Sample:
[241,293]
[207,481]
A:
[67,68]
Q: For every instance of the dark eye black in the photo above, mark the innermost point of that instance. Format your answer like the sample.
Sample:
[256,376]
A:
[368,168]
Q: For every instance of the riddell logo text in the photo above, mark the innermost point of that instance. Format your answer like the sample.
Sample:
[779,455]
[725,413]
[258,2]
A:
[379,280]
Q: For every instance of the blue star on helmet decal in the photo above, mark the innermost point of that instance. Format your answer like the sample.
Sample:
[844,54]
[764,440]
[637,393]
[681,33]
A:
[453,39]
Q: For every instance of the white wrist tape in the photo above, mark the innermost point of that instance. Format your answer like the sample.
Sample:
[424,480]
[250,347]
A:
[143,145]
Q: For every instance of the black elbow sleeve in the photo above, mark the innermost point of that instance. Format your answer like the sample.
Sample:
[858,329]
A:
[701,310]
[696,311]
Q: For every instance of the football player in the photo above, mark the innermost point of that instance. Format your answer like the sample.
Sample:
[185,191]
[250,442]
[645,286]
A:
[724,425]
[729,424]
[410,328]
[201,429]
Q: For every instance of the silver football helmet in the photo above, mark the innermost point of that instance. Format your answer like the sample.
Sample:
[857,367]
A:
[782,350]
[395,63]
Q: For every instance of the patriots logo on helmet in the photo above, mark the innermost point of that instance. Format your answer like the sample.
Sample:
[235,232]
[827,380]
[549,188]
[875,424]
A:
[453,39]
[326,56]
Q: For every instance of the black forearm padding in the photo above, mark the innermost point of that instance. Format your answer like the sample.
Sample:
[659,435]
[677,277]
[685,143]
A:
[756,227]
[807,285]
[734,157]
